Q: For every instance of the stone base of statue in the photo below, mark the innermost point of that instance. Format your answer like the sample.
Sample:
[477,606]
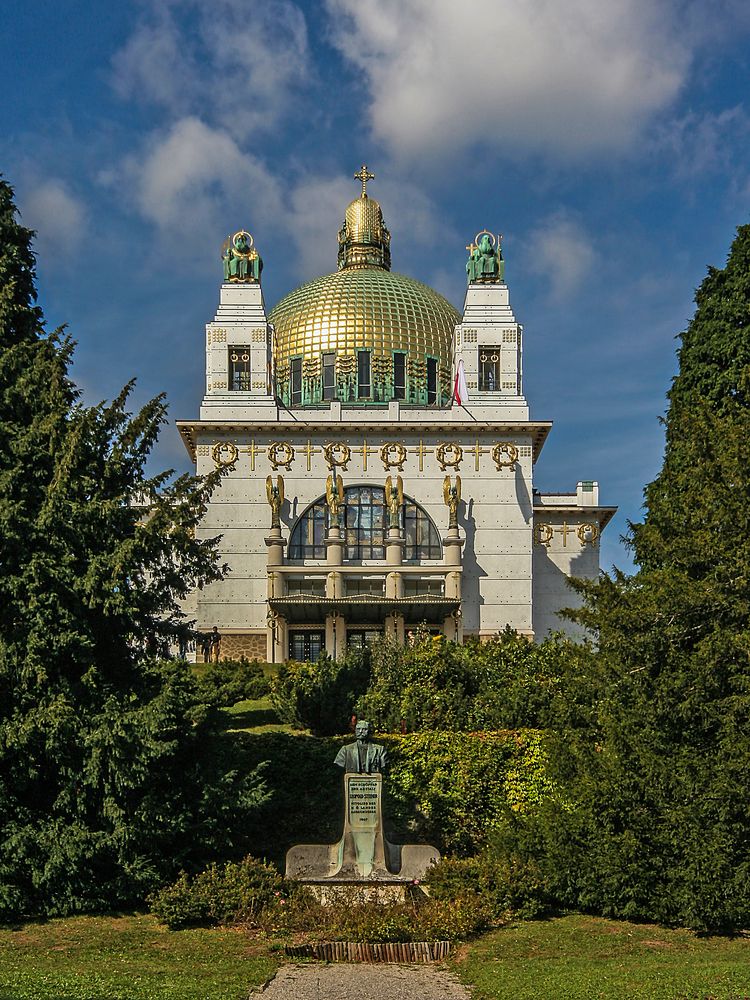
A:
[363,866]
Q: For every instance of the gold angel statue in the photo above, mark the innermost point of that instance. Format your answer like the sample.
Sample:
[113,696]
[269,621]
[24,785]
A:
[452,498]
[275,496]
[394,498]
[334,495]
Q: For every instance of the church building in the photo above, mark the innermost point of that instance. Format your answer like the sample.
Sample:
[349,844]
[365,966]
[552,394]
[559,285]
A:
[380,459]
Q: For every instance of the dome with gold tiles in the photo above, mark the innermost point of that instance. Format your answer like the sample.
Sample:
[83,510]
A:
[363,334]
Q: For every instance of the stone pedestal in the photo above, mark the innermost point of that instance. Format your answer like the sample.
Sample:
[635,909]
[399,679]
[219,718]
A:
[363,857]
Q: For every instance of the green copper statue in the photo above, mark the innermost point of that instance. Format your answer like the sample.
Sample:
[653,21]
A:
[240,258]
[362,757]
[485,261]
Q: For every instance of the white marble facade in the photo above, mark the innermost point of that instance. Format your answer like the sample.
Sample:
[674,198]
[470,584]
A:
[514,549]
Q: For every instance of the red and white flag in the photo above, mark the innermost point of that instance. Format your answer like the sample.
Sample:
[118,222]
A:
[460,389]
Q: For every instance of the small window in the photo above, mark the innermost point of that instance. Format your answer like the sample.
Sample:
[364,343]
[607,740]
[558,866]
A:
[399,376]
[365,586]
[362,638]
[489,369]
[306,645]
[329,376]
[239,369]
[363,375]
[424,586]
[295,375]
[431,380]
[305,586]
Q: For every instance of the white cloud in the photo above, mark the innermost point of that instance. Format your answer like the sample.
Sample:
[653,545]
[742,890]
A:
[571,78]
[233,62]
[193,177]
[316,212]
[57,215]
[561,251]
[697,144]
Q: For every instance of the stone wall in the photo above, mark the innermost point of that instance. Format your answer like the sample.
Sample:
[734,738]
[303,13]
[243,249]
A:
[233,646]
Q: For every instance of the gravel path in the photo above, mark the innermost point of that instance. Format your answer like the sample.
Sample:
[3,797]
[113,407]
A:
[342,981]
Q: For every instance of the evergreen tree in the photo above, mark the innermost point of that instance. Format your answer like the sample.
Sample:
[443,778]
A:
[112,771]
[662,775]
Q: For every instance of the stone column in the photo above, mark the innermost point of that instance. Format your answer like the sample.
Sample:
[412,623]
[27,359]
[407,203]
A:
[453,624]
[334,546]
[394,547]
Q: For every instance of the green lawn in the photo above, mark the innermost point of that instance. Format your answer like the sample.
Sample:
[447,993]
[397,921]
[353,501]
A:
[587,958]
[127,958]
[256,716]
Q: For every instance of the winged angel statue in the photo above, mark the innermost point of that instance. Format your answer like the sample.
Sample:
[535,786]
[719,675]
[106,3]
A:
[452,498]
[275,496]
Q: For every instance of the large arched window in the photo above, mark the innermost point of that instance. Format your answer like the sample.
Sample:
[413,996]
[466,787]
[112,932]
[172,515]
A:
[364,524]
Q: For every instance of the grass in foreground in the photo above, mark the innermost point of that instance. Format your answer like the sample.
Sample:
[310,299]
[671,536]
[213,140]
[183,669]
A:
[127,958]
[587,958]
[258,716]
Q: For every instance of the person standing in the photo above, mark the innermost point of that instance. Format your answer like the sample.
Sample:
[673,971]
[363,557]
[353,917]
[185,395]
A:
[215,645]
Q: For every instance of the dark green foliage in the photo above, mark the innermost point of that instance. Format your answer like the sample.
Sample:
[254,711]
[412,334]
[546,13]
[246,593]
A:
[507,683]
[229,681]
[219,894]
[321,696]
[113,773]
[505,887]
[660,778]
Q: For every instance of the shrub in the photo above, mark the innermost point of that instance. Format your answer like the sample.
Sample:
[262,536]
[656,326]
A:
[418,919]
[321,696]
[219,894]
[506,683]
[506,887]
[229,681]
[453,789]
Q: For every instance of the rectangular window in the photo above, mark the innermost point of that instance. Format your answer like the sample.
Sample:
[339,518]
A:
[305,586]
[489,369]
[239,369]
[295,377]
[329,376]
[365,586]
[305,645]
[399,376]
[363,375]
[362,638]
[424,586]
[431,380]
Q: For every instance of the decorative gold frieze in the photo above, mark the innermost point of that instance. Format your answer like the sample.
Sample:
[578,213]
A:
[337,454]
[393,456]
[504,455]
[281,453]
[588,533]
[449,455]
[224,453]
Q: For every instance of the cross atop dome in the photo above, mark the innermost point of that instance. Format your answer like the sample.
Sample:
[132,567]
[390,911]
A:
[364,175]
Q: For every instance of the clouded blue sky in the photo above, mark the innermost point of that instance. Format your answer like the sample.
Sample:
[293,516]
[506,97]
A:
[606,139]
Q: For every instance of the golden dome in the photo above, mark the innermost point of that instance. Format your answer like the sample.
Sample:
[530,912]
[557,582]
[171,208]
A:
[363,307]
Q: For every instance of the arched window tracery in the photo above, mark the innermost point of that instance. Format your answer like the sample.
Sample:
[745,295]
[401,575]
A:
[363,520]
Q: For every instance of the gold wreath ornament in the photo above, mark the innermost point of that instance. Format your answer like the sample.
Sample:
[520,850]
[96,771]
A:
[399,456]
[444,450]
[504,455]
[337,454]
[587,533]
[281,453]
[543,533]
[224,453]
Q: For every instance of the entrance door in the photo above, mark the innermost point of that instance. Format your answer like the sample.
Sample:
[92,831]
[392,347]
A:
[358,638]
[306,645]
